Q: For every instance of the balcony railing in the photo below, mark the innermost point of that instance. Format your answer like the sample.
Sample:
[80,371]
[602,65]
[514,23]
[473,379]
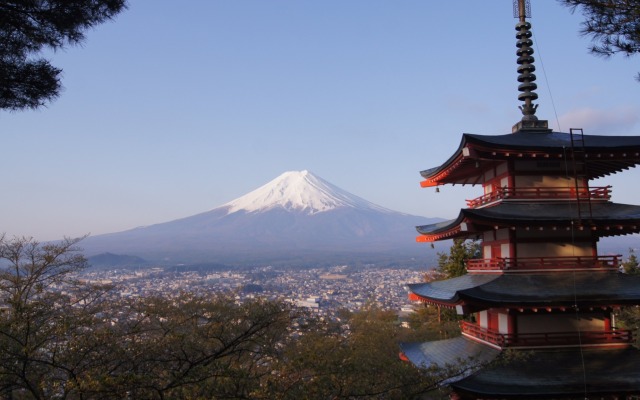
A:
[546,193]
[617,336]
[610,262]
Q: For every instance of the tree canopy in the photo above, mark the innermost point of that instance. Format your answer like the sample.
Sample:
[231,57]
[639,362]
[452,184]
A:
[631,265]
[613,25]
[454,264]
[64,338]
[27,27]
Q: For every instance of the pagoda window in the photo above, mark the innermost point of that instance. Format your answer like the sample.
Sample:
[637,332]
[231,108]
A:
[505,250]
[504,323]
[483,319]
[504,182]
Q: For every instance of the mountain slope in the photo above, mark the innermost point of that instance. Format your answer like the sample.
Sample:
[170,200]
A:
[296,218]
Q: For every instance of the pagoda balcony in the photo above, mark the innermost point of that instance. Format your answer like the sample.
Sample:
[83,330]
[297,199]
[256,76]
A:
[521,264]
[541,194]
[574,338]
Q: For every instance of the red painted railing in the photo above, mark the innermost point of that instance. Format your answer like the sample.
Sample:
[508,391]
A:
[617,336]
[546,193]
[611,262]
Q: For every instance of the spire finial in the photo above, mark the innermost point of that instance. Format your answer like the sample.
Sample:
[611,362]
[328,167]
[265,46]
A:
[526,77]
[525,61]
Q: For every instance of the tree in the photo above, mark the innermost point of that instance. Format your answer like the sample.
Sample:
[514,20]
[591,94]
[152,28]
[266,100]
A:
[63,338]
[29,26]
[631,265]
[613,25]
[42,313]
[195,347]
[356,358]
[454,264]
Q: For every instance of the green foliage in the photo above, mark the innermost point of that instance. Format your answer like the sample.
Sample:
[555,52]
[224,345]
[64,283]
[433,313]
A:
[192,347]
[60,338]
[454,264]
[356,359]
[38,325]
[629,317]
[431,322]
[614,26]
[28,27]
[631,265]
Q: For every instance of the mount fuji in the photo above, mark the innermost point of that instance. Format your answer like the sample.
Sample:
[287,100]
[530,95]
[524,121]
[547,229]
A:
[296,219]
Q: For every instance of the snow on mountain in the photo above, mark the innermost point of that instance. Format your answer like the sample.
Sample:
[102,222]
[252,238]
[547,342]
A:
[299,191]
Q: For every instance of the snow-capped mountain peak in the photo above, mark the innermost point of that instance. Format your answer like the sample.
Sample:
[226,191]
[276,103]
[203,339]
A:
[298,191]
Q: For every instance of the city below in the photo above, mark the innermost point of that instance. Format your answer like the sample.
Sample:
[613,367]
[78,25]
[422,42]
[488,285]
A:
[323,290]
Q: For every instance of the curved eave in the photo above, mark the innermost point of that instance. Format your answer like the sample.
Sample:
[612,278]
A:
[605,154]
[557,374]
[460,351]
[446,292]
[604,219]
[449,172]
[586,289]
[442,230]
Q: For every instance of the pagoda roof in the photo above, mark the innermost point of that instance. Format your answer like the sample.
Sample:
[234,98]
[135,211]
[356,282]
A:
[552,140]
[532,290]
[450,352]
[557,373]
[605,219]
[605,154]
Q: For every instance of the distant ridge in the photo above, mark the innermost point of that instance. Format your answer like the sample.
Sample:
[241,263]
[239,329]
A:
[297,218]
[114,260]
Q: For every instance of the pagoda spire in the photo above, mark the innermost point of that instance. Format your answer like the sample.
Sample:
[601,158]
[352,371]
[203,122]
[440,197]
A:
[526,77]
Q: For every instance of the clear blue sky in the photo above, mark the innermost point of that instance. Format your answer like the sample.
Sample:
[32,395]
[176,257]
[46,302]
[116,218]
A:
[175,108]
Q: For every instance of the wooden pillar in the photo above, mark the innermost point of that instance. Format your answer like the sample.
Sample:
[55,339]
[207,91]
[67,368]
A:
[607,322]
[512,245]
[512,325]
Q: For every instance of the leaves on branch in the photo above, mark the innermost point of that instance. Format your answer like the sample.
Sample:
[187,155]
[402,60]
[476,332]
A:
[613,25]
[27,28]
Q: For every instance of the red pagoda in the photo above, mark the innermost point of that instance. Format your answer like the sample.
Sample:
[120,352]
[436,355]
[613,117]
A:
[541,288]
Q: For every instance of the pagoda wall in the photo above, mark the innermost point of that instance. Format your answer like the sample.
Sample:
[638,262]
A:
[497,177]
[535,243]
[544,181]
[565,322]
[558,235]
[499,170]
[579,249]
[554,243]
